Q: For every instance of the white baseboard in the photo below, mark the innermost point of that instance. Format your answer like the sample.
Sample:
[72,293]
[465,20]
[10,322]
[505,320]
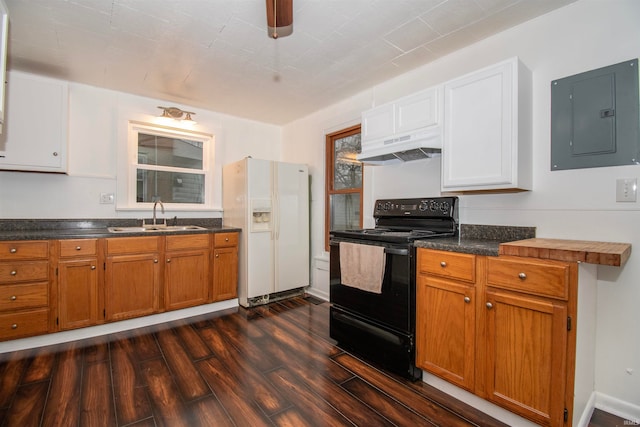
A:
[585,417]
[317,293]
[626,410]
[108,328]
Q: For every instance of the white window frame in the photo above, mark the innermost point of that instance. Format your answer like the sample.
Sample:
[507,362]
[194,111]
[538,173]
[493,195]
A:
[132,160]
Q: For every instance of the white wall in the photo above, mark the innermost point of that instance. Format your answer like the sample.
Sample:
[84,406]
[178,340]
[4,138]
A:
[98,120]
[575,204]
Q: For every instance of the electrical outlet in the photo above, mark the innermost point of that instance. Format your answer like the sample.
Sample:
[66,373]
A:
[626,189]
[106,198]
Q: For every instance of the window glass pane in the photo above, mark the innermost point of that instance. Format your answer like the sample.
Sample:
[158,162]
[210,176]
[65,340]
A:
[345,211]
[166,151]
[170,187]
[347,171]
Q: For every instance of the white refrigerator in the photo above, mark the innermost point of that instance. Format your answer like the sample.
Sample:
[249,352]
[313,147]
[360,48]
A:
[269,201]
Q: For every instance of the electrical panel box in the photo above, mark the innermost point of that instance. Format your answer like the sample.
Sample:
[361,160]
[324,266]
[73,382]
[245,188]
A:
[594,118]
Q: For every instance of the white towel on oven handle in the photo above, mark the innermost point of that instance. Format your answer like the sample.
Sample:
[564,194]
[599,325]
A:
[362,266]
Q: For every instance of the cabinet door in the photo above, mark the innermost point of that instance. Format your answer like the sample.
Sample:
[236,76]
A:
[378,123]
[77,293]
[445,330]
[480,130]
[132,285]
[416,111]
[186,278]
[526,355]
[34,99]
[225,273]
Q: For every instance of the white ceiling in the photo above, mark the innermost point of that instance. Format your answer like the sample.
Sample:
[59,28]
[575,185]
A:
[216,55]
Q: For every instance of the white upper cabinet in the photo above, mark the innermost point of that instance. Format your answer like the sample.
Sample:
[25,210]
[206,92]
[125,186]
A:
[35,130]
[4,34]
[487,130]
[410,122]
[402,116]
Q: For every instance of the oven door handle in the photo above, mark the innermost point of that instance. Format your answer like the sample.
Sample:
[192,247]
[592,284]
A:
[396,251]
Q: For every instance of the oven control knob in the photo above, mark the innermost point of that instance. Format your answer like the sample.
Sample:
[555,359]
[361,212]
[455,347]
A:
[433,206]
[424,205]
[387,206]
[444,206]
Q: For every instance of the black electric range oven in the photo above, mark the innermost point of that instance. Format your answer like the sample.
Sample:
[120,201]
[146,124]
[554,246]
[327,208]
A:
[381,326]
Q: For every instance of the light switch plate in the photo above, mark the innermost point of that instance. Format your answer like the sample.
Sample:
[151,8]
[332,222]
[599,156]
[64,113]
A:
[106,198]
[626,189]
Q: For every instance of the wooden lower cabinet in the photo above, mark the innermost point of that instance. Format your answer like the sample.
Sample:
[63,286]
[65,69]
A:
[132,277]
[77,293]
[446,317]
[526,355]
[24,289]
[49,286]
[501,329]
[186,271]
[77,278]
[225,266]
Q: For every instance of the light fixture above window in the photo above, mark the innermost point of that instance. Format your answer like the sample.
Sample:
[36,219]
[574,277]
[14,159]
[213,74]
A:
[176,113]
[279,18]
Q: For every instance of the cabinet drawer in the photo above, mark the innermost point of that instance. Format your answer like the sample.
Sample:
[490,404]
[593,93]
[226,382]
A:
[78,247]
[195,241]
[133,245]
[26,271]
[546,278]
[225,239]
[451,265]
[24,250]
[16,297]
[24,323]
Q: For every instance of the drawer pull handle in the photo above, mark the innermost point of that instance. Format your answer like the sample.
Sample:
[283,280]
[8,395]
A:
[78,248]
[443,264]
[217,255]
[13,297]
[522,276]
[489,305]
[14,326]
[155,260]
[467,300]
[13,250]
[13,272]
[93,267]
[168,259]
[226,239]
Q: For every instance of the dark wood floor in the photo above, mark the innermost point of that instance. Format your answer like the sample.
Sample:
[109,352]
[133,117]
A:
[271,365]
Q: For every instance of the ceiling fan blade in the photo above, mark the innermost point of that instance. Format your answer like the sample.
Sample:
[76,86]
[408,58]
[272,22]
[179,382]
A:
[279,18]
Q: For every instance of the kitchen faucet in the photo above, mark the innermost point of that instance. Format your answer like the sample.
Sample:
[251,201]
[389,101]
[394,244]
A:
[154,210]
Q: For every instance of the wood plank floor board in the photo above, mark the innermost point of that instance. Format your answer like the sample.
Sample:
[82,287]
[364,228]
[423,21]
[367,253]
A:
[97,404]
[314,410]
[233,396]
[273,365]
[168,407]
[28,406]
[185,374]
[63,404]
[268,398]
[192,342]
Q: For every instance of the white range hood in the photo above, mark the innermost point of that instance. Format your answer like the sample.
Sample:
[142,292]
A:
[403,148]
[409,128]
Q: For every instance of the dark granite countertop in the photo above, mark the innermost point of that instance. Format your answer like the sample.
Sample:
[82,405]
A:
[46,229]
[478,239]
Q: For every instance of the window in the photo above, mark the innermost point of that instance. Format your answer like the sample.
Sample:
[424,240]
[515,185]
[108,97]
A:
[170,165]
[343,203]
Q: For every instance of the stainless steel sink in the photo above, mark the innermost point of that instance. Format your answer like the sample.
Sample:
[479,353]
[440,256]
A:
[155,229]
